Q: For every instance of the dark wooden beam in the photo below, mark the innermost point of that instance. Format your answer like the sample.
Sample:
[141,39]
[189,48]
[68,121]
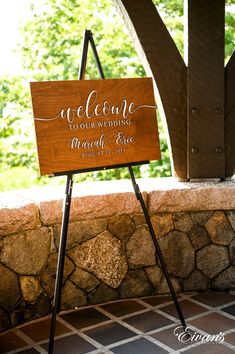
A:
[206,148]
[162,60]
[230,116]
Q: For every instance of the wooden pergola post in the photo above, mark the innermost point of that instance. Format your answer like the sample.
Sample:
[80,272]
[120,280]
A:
[197,101]
[205,93]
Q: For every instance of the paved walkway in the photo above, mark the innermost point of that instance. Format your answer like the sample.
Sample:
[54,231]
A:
[136,326]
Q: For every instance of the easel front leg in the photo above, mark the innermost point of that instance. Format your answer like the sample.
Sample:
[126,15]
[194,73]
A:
[60,262]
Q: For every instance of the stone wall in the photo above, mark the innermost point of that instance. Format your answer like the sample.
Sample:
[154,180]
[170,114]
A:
[110,253]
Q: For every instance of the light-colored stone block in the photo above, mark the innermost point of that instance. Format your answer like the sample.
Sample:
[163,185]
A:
[162,223]
[26,253]
[196,281]
[212,259]
[72,297]
[121,226]
[178,253]
[48,274]
[9,288]
[140,250]
[182,222]
[17,214]
[80,231]
[103,256]
[169,195]
[155,275]
[225,280]
[135,284]
[30,287]
[219,229]
[84,280]
[164,288]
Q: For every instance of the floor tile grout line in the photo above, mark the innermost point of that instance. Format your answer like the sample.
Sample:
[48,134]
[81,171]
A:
[201,304]
[35,346]
[210,312]
[198,302]
[226,314]
[106,313]
[228,345]
[153,306]
[24,336]
[189,293]
[161,329]
[88,339]
[229,331]
[122,341]
[132,339]
[103,350]
[226,305]
[135,299]
[166,315]
[30,342]
[159,343]
[141,332]
[87,328]
[36,320]
[199,315]
[76,331]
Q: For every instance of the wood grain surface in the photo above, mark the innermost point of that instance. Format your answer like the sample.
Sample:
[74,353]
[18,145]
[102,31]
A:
[94,123]
[206,157]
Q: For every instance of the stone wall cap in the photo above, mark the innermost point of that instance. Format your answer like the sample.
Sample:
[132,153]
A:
[173,196]
[154,186]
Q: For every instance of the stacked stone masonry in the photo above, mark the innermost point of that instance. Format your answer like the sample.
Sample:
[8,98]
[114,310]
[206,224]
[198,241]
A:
[110,253]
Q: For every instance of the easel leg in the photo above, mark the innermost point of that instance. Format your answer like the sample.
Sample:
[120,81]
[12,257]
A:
[60,262]
[158,250]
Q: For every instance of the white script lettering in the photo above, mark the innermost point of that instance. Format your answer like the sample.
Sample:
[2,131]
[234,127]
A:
[76,143]
[91,108]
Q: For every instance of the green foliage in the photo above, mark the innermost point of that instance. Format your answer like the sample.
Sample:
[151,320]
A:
[51,48]
[16,143]
[16,178]
[172,14]
[229,30]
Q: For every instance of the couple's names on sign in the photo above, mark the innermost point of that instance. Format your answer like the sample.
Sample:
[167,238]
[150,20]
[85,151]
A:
[90,124]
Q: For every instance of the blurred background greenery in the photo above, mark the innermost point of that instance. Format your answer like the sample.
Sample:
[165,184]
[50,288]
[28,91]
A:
[51,44]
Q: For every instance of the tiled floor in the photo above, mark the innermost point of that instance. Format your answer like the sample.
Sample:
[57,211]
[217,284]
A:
[137,326]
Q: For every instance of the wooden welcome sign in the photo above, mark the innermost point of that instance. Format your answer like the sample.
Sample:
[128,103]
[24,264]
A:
[87,124]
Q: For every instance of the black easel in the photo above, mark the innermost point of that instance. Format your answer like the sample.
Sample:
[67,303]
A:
[66,210]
